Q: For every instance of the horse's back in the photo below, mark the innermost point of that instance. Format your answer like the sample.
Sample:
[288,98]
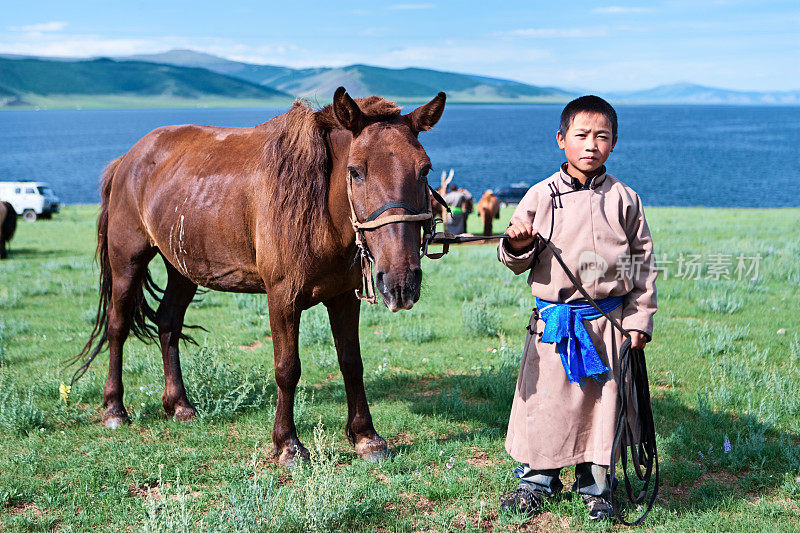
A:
[189,188]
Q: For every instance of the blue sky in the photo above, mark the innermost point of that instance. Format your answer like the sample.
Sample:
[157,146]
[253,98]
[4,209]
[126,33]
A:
[601,46]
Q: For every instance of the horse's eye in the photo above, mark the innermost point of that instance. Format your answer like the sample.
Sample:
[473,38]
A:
[424,172]
[353,173]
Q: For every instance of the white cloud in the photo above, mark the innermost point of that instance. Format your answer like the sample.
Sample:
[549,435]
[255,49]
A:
[83,46]
[42,27]
[552,33]
[621,9]
[411,6]
[375,32]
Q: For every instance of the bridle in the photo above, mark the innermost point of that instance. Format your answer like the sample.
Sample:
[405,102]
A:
[375,221]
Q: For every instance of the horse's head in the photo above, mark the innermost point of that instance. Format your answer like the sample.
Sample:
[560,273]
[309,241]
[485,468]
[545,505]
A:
[388,170]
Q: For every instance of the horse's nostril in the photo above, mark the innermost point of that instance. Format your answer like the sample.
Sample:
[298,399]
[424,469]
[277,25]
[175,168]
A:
[379,281]
[417,273]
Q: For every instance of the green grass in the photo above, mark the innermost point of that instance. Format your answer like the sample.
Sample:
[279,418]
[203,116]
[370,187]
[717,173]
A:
[439,379]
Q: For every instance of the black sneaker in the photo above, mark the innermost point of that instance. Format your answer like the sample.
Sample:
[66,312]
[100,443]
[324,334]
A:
[522,499]
[599,508]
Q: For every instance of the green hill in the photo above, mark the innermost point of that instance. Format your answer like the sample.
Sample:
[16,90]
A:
[407,84]
[260,74]
[37,81]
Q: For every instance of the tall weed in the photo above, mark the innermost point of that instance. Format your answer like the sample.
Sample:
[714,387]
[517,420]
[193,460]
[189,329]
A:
[167,508]
[725,303]
[479,319]
[321,498]
[417,332]
[10,298]
[315,327]
[19,415]
[219,390]
[718,339]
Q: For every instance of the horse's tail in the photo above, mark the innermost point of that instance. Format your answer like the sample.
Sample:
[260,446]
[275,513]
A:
[143,318]
[99,336]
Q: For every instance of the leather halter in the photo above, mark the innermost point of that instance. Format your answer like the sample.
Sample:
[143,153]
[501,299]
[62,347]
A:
[375,221]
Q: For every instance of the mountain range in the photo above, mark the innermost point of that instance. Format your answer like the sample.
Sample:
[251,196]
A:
[186,77]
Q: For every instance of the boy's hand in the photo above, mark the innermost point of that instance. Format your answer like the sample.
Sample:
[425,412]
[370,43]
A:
[638,340]
[520,236]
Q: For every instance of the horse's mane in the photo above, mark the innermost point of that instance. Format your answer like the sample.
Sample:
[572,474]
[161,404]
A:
[297,158]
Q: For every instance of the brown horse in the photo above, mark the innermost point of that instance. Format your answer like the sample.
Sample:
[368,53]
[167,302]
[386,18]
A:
[263,210]
[8,225]
[488,209]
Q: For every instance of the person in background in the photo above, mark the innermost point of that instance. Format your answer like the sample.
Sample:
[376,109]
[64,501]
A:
[460,202]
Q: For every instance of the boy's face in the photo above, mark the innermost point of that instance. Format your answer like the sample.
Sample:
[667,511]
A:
[588,143]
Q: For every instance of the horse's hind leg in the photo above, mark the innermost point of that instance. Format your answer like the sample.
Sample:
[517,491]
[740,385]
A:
[343,313]
[169,317]
[127,274]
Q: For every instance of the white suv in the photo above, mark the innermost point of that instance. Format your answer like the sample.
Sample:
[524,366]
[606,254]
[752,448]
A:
[31,198]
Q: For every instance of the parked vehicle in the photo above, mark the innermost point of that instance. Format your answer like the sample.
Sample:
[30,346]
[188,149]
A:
[512,194]
[32,199]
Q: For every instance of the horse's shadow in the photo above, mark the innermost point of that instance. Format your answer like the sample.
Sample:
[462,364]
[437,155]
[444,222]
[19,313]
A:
[29,253]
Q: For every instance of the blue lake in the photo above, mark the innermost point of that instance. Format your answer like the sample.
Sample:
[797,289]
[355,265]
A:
[720,156]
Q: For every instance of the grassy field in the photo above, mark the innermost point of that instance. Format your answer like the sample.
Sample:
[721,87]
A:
[723,366]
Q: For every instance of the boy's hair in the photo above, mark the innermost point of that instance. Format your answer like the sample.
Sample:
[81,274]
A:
[590,104]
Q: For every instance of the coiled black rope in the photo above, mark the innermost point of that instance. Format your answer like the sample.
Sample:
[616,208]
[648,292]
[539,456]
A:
[636,432]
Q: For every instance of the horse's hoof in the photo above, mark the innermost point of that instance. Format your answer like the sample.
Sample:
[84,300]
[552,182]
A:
[373,450]
[377,457]
[115,421]
[185,414]
[293,457]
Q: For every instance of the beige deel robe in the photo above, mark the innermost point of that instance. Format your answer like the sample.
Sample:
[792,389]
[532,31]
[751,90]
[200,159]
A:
[554,423]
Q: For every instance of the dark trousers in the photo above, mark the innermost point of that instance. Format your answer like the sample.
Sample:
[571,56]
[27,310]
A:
[590,479]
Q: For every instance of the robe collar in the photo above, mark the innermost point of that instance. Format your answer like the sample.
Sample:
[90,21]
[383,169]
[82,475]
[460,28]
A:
[593,184]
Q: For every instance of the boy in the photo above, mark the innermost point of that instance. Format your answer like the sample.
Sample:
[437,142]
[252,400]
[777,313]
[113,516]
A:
[564,413]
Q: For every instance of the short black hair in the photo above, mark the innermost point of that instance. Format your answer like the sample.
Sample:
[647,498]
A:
[591,104]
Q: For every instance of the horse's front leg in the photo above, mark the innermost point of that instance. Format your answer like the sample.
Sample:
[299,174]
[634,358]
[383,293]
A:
[284,321]
[343,313]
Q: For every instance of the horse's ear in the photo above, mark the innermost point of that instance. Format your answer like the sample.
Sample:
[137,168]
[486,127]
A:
[425,117]
[347,111]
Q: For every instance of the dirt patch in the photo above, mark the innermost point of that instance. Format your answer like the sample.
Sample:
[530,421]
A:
[681,492]
[26,508]
[544,522]
[429,393]
[145,491]
[720,478]
[252,347]
[402,439]
[418,501]
[479,458]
